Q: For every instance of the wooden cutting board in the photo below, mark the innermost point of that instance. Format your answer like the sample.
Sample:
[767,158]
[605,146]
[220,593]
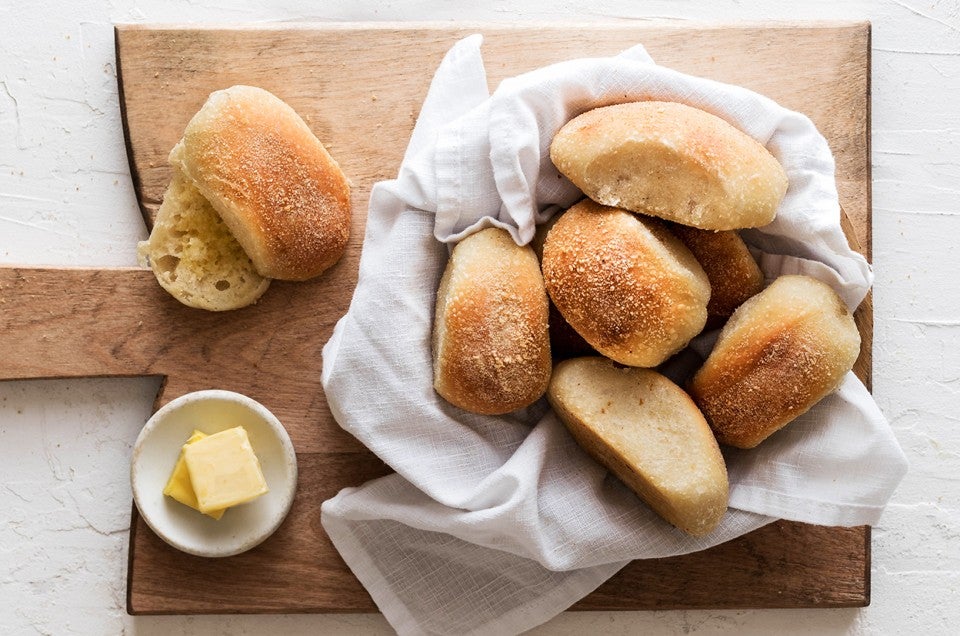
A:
[360,87]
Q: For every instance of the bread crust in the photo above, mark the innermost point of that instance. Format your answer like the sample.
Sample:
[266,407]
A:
[276,187]
[779,354]
[733,273]
[671,161]
[565,342]
[648,432]
[624,283]
[491,348]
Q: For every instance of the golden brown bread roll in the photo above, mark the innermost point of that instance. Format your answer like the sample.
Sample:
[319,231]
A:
[281,194]
[625,283]
[779,354]
[491,350]
[734,275]
[255,196]
[649,433]
[671,161]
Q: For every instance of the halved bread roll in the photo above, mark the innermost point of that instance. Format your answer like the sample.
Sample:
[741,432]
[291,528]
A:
[779,354]
[733,273]
[491,349]
[278,192]
[272,181]
[195,257]
[625,283]
[671,161]
[649,433]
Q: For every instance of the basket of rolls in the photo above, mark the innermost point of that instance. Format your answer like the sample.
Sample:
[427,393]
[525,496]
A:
[603,314]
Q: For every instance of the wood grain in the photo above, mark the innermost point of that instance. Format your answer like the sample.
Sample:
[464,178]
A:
[296,570]
[780,565]
[360,88]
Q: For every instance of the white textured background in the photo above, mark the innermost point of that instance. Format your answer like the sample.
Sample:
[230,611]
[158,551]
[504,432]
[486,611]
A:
[66,199]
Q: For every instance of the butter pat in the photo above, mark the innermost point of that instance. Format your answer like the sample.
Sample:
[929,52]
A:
[224,470]
[179,486]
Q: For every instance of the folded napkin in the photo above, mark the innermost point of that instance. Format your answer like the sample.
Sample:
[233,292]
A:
[492,525]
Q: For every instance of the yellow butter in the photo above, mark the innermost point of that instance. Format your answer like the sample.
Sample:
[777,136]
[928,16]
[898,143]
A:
[179,486]
[224,470]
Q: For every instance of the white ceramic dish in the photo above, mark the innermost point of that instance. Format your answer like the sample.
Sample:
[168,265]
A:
[156,451]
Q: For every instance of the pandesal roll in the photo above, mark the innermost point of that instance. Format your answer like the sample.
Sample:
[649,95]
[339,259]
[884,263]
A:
[779,354]
[274,184]
[491,348]
[671,161]
[624,283]
[733,273]
[255,196]
[649,433]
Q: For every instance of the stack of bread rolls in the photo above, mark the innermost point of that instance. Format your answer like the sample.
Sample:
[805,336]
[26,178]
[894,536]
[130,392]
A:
[627,277]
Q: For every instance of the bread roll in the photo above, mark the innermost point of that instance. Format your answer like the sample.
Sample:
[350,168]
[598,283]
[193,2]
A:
[195,257]
[649,433]
[778,355]
[671,161]
[491,351]
[273,183]
[734,275]
[625,283]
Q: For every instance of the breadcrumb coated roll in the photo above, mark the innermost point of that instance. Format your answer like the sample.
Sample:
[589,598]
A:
[624,283]
[733,273]
[779,354]
[271,180]
[255,196]
[491,348]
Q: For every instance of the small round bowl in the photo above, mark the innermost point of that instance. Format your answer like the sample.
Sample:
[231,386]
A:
[158,447]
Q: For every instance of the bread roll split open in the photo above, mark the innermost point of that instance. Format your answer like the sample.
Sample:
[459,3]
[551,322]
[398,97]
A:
[649,433]
[671,161]
[278,191]
[195,257]
[779,354]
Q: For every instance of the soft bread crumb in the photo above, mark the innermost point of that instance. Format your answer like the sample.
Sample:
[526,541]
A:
[195,257]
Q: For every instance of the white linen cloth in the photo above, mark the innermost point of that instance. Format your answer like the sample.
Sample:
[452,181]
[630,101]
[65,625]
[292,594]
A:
[492,525]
